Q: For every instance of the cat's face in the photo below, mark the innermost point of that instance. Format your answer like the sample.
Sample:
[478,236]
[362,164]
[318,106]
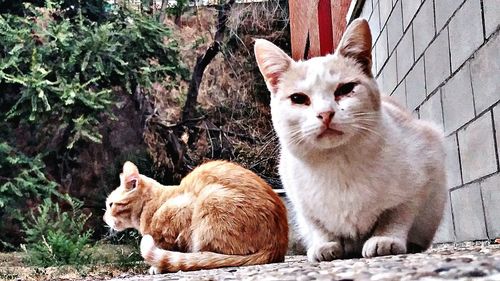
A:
[326,101]
[124,204]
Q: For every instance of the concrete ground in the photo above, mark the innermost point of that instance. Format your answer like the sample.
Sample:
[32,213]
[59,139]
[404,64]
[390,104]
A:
[465,261]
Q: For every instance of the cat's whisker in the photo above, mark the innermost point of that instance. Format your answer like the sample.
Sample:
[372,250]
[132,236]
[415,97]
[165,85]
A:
[273,139]
[374,117]
[372,113]
[298,138]
[356,120]
[296,133]
[310,131]
[111,232]
[368,130]
[300,134]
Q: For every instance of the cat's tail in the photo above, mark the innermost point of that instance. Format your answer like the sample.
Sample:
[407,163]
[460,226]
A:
[170,261]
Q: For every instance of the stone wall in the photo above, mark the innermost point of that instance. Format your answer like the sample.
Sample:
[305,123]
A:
[441,58]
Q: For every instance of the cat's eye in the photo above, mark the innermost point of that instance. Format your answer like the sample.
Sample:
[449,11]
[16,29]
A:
[300,98]
[345,89]
[110,204]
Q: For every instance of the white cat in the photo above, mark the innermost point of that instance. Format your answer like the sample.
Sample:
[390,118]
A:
[364,177]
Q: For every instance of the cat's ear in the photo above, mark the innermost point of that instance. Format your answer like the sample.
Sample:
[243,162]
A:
[272,62]
[130,175]
[357,44]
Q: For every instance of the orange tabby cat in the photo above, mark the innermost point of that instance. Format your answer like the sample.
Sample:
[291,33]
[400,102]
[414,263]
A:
[220,215]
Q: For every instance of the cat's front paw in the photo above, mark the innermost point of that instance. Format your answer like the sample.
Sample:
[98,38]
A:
[383,245]
[154,270]
[147,245]
[325,252]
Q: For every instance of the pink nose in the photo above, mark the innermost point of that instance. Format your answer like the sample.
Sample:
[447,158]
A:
[326,117]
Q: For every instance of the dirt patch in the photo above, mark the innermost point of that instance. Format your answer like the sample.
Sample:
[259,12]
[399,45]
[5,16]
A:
[110,261]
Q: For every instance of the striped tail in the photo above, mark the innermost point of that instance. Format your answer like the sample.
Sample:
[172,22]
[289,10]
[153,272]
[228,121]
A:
[170,261]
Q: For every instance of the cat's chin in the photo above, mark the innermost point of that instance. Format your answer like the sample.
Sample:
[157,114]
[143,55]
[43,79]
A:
[329,138]
[330,133]
[317,144]
[330,141]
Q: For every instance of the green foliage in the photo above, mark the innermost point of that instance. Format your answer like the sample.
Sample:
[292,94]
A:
[91,9]
[64,72]
[56,237]
[178,8]
[60,78]
[20,177]
[22,181]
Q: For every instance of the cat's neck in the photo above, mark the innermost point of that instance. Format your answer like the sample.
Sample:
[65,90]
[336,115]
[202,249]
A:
[153,200]
[159,193]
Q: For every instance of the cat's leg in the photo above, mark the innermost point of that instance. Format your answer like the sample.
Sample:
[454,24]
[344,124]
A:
[320,246]
[391,232]
[165,237]
[323,250]
[221,225]
[177,218]
[154,270]
[147,249]
[428,218]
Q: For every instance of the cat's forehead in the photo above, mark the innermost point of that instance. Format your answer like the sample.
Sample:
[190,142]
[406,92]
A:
[117,194]
[320,71]
[113,196]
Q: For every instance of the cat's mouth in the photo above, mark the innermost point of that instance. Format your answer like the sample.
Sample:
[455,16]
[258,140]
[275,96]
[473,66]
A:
[328,132]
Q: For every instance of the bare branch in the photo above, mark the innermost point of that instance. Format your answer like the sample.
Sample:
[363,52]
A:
[204,60]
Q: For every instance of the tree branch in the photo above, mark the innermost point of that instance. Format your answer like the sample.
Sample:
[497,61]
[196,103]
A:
[204,60]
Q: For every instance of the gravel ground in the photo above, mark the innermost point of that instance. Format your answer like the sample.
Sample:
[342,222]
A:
[466,261]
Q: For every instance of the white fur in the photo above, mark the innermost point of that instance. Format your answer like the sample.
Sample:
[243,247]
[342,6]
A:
[147,245]
[153,270]
[348,196]
[367,192]
[315,75]
[110,221]
[182,200]
[148,248]
[156,255]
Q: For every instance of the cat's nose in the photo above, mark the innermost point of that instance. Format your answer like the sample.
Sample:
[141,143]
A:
[326,116]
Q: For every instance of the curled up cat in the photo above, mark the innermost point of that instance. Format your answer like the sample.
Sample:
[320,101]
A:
[364,177]
[219,215]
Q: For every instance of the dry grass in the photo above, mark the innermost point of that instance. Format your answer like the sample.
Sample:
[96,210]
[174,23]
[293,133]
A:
[233,98]
[110,263]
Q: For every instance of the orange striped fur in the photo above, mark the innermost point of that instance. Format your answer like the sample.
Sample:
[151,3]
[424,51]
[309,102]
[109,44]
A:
[220,215]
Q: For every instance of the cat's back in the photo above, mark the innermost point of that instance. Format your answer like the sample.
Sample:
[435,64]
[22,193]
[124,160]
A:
[228,175]
[421,142]
[241,199]
[404,119]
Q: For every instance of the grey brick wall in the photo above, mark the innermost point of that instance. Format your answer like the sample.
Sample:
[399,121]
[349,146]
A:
[441,59]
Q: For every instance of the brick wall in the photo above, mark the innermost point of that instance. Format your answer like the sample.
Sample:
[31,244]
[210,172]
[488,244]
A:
[441,59]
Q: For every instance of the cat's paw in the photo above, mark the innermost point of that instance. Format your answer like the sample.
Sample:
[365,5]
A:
[383,245]
[154,270]
[325,252]
[147,247]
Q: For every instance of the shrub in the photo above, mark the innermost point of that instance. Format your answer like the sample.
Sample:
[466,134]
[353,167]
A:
[22,181]
[60,77]
[92,9]
[55,237]
[63,72]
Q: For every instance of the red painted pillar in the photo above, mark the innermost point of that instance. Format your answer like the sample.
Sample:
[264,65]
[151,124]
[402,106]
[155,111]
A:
[325,27]
[318,24]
